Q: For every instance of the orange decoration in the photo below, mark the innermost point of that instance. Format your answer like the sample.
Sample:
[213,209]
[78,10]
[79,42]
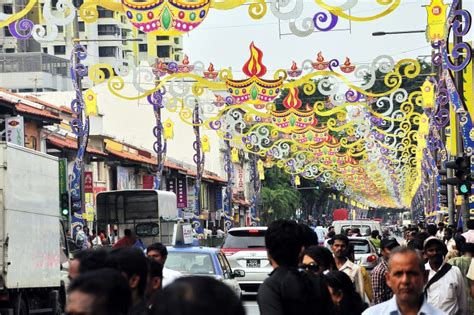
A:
[254,66]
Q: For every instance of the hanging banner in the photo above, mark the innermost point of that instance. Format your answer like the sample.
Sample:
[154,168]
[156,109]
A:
[90,212]
[125,178]
[15,129]
[88,182]
[63,176]
[182,193]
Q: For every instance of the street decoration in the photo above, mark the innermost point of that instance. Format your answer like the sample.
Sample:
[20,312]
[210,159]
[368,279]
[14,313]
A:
[177,17]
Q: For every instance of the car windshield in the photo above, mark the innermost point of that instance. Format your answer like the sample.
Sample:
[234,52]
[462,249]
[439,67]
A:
[245,239]
[191,263]
[364,229]
[360,246]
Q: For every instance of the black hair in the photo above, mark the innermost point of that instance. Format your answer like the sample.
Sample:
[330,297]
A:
[132,262]
[470,224]
[351,301]
[109,288]
[449,230]
[431,229]
[159,248]
[339,237]
[284,241]
[91,259]
[460,241]
[309,237]
[155,269]
[441,224]
[374,233]
[127,232]
[468,248]
[321,255]
[331,234]
[191,295]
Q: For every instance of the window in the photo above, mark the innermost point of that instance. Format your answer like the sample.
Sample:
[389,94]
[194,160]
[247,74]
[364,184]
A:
[191,263]
[103,13]
[10,50]
[250,238]
[60,28]
[82,27]
[6,31]
[163,51]
[60,50]
[176,40]
[7,9]
[107,30]
[107,51]
[176,57]
[162,37]
[45,50]
[142,47]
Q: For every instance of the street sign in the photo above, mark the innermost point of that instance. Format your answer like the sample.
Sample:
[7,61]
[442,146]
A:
[88,182]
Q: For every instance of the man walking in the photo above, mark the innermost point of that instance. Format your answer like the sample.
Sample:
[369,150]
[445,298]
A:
[445,288]
[405,277]
[159,253]
[340,245]
[381,290]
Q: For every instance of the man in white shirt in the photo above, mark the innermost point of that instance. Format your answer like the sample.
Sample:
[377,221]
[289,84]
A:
[445,288]
[406,278]
[158,252]
[339,246]
[440,233]
[469,235]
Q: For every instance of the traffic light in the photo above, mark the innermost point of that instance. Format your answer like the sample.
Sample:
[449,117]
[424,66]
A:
[462,167]
[64,204]
[443,188]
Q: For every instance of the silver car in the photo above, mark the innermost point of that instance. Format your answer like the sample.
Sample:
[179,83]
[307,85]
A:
[364,252]
[244,248]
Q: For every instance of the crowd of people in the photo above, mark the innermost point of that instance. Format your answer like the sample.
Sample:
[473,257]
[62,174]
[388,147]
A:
[430,272]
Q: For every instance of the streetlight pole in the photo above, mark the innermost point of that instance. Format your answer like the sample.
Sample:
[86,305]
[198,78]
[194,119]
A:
[397,32]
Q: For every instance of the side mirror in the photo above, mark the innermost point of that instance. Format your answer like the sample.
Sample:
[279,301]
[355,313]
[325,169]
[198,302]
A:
[239,273]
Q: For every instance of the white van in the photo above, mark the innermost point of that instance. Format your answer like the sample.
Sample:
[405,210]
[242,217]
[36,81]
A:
[365,226]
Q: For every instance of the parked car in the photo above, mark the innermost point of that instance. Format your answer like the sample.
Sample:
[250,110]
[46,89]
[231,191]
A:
[204,261]
[245,249]
[364,252]
[365,226]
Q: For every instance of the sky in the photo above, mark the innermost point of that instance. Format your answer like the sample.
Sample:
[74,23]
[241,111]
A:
[224,36]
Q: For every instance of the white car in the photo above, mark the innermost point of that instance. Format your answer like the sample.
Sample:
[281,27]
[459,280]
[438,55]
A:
[245,249]
[364,252]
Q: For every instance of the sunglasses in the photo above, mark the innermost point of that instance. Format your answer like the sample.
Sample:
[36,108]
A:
[313,267]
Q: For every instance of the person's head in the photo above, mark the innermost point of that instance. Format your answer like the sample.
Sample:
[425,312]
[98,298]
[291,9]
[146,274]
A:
[435,251]
[133,265]
[154,277]
[309,237]
[86,230]
[191,295]
[386,246]
[317,259]
[467,249]
[406,275]
[86,260]
[374,234]
[284,242]
[331,234]
[470,224]
[448,233]
[127,232]
[158,252]
[331,229]
[342,292]
[460,241]
[356,231]
[94,232]
[440,226]
[431,229]
[349,232]
[99,292]
[339,245]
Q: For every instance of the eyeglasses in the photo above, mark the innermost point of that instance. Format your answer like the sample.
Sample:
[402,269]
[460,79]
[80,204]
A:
[313,267]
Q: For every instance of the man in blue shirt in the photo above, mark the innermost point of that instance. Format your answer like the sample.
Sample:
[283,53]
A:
[406,277]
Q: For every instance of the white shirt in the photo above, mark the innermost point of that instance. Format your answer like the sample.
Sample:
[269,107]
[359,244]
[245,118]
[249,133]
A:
[320,232]
[169,275]
[390,307]
[448,293]
[440,234]
[353,271]
[469,236]
[450,244]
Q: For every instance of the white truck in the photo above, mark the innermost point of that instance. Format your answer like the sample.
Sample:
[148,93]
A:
[32,238]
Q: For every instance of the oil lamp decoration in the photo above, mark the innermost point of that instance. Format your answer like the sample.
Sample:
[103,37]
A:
[347,67]
[294,71]
[160,68]
[166,17]
[293,118]
[185,67]
[211,74]
[320,63]
[255,89]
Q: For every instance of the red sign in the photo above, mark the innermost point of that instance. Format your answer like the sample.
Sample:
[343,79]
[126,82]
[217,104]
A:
[88,182]
[148,181]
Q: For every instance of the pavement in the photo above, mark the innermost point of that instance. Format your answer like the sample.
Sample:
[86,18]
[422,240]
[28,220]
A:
[251,308]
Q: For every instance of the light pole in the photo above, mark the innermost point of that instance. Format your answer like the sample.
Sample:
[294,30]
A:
[397,32]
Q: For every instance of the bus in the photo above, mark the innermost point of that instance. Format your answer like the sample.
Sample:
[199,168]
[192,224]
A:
[150,214]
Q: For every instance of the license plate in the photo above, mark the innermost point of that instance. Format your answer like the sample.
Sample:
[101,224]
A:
[253,263]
